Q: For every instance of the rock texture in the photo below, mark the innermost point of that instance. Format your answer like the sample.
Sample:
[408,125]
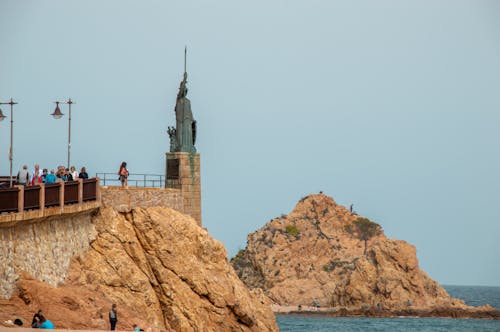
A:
[43,249]
[308,256]
[163,271]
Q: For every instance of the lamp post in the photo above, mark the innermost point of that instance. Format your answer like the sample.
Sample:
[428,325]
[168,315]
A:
[58,114]
[11,150]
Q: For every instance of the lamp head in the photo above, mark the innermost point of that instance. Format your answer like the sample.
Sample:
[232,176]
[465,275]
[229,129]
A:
[57,112]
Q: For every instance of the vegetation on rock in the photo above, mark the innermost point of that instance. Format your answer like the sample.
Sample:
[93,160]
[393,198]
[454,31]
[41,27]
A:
[292,230]
[364,229]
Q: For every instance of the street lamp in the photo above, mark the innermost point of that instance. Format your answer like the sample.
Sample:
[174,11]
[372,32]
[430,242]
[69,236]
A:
[58,114]
[11,103]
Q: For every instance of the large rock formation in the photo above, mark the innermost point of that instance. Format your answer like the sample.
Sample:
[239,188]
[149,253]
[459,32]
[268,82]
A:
[310,257]
[163,271]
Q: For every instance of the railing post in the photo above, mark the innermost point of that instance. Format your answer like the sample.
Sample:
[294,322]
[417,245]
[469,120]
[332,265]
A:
[20,199]
[42,197]
[61,194]
[80,191]
[98,190]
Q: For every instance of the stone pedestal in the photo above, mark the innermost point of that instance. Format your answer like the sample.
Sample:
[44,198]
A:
[182,172]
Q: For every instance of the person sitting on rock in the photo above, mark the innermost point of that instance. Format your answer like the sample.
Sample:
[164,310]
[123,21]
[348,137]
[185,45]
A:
[45,323]
[137,328]
[35,323]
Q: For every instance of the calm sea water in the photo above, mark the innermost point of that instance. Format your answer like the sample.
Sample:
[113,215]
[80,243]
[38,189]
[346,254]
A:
[472,295]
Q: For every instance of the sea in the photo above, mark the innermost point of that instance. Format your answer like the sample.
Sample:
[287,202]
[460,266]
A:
[472,295]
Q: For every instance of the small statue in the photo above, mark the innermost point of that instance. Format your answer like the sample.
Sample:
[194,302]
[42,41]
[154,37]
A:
[173,139]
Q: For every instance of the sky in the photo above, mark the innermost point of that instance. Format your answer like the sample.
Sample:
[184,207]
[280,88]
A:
[393,106]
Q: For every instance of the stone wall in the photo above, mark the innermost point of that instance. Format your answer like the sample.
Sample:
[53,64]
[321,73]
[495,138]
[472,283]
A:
[190,182]
[43,248]
[124,200]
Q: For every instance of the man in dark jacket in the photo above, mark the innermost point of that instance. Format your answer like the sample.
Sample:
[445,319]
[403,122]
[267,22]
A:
[113,317]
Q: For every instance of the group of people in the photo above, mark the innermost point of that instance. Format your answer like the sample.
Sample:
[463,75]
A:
[36,177]
[40,322]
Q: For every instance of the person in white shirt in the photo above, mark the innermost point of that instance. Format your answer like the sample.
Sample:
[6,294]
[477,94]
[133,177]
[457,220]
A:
[74,173]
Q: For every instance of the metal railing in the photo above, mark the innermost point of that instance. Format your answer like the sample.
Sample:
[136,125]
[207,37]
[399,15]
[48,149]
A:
[134,180]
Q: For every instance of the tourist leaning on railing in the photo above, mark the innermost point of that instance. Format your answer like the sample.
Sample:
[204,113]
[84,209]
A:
[23,176]
[83,174]
[37,179]
[51,178]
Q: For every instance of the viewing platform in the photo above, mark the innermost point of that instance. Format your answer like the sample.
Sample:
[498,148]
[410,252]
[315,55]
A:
[21,203]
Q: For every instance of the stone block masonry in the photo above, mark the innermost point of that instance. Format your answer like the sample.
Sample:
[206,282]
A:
[43,248]
[124,200]
[186,174]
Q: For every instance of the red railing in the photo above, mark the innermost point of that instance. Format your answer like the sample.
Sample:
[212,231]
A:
[71,192]
[90,189]
[22,198]
[52,194]
[31,197]
[9,199]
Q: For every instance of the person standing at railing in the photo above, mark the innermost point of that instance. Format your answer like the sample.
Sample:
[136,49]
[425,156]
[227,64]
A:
[35,169]
[37,179]
[51,178]
[23,177]
[45,172]
[123,173]
[74,173]
[69,176]
[83,174]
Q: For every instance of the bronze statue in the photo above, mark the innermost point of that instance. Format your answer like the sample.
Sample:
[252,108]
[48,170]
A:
[183,136]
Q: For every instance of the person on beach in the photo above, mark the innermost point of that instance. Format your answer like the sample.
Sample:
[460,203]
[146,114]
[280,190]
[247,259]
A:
[113,317]
[123,173]
[137,328]
[45,323]
[35,323]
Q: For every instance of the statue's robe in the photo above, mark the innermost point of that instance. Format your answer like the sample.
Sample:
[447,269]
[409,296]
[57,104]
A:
[184,122]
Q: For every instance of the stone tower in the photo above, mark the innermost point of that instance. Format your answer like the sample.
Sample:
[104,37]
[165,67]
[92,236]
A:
[182,169]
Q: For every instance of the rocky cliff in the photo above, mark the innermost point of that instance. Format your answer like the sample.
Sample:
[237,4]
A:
[310,256]
[162,270]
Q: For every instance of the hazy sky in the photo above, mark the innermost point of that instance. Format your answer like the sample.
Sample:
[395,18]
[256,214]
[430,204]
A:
[393,106]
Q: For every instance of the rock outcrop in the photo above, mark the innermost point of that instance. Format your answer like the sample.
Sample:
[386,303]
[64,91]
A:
[309,257]
[162,270]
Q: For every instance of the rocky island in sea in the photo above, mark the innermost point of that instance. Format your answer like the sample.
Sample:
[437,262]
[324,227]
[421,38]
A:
[324,256]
